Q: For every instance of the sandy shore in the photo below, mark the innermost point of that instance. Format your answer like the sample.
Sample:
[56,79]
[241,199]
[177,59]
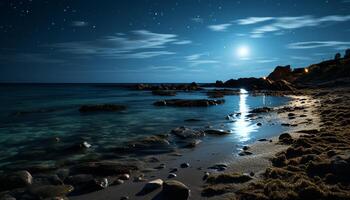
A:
[219,151]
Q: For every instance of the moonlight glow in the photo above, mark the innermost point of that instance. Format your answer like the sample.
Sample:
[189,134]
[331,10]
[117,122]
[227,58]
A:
[243,51]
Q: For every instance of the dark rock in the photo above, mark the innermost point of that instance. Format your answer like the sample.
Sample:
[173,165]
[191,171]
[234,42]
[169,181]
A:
[262,140]
[245,148]
[124,177]
[259,124]
[101,107]
[124,198]
[151,186]
[193,144]
[186,133]
[164,92]
[219,167]
[151,144]
[175,190]
[188,103]
[118,182]
[245,153]
[46,191]
[173,170]
[15,180]
[285,138]
[261,110]
[185,165]
[104,168]
[172,175]
[216,132]
[281,72]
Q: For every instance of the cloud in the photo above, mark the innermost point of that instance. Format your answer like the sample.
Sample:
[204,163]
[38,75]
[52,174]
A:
[253,20]
[137,44]
[79,23]
[267,60]
[164,68]
[183,42]
[219,27]
[197,59]
[300,58]
[318,44]
[277,24]
[147,54]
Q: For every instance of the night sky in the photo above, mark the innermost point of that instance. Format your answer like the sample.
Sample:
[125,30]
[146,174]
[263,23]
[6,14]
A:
[165,40]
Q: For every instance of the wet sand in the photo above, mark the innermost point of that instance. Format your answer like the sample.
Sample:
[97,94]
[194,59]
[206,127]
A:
[218,150]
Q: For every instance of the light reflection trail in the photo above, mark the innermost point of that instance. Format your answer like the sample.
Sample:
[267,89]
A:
[242,127]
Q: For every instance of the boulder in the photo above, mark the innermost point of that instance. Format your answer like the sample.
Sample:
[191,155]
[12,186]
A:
[285,138]
[151,186]
[175,190]
[101,108]
[261,110]
[15,180]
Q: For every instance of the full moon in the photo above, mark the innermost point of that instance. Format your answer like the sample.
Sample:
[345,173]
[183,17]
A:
[242,51]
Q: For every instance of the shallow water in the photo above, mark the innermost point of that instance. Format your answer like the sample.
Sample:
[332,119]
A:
[32,115]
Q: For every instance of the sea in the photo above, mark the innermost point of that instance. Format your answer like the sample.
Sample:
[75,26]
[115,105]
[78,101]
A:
[33,116]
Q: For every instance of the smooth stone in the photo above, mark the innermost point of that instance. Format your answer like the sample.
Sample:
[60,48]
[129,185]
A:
[245,148]
[102,182]
[173,170]
[124,177]
[172,175]
[175,190]
[124,198]
[259,124]
[206,175]
[151,186]
[118,182]
[185,165]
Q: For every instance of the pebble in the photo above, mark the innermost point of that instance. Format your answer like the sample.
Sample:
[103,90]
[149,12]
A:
[124,177]
[124,198]
[172,175]
[206,175]
[172,170]
[118,182]
[185,165]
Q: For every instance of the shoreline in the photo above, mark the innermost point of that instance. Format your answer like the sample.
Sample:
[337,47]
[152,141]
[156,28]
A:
[193,176]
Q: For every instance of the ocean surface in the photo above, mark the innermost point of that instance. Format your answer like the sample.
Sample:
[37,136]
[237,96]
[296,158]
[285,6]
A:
[33,115]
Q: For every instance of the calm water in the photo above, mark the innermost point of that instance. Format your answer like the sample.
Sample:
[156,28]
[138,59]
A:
[50,111]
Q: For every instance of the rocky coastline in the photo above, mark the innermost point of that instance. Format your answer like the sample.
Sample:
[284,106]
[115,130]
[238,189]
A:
[308,163]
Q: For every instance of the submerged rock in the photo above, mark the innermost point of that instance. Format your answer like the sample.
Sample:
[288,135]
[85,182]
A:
[186,133]
[101,107]
[175,190]
[216,132]
[164,92]
[188,102]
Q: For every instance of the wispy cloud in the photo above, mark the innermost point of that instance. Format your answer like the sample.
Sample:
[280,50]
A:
[318,44]
[267,60]
[164,68]
[277,24]
[219,27]
[197,59]
[183,42]
[137,44]
[300,58]
[80,23]
[253,20]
